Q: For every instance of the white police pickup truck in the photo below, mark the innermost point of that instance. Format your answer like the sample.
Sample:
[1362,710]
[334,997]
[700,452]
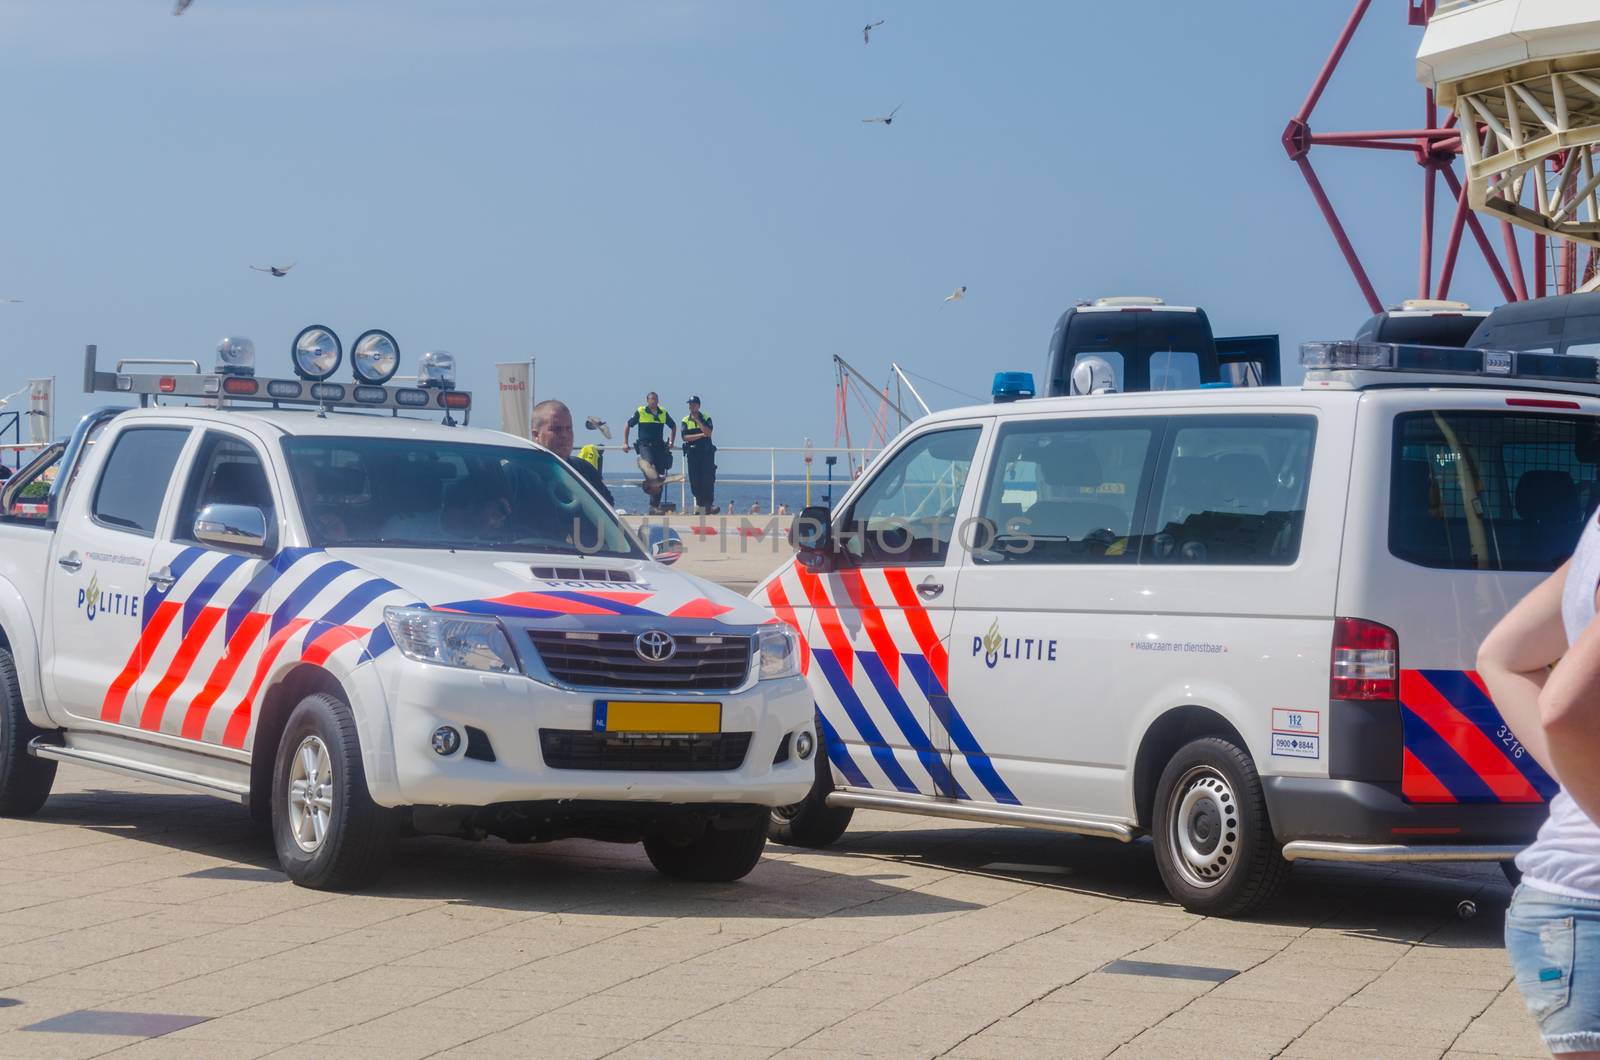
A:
[289,593]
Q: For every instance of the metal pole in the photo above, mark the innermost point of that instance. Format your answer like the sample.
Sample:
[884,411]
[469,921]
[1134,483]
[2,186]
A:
[1339,235]
[1333,60]
[772,500]
[1430,177]
[1490,258]
[900,373]
[1452,250]
[871,386]
[1539,282]
[1514,258]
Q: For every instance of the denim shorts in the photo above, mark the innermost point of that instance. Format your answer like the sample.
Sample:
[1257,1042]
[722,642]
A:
[1554,946]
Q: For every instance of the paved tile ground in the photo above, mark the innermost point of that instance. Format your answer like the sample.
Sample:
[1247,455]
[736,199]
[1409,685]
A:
[898,942]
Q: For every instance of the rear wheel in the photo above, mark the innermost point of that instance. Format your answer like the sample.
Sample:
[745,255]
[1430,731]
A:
[329,833]
[1213,842]
[811,822]
[716,855]
[24,780]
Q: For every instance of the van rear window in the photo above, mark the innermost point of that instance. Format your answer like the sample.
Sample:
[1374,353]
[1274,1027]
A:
[1501,491]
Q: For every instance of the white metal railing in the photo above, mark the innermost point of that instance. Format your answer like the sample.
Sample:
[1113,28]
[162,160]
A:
[786,466]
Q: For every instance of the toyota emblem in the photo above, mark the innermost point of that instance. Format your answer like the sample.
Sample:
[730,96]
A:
[654,645]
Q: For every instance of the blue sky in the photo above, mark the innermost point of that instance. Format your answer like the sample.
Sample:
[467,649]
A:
[679,194]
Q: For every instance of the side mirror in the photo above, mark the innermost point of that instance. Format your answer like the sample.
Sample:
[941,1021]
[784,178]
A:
[231,526]
[811,534]
[664,544]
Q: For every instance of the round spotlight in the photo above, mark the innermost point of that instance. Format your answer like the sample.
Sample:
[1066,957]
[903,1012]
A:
[317,352]
[804,744]
[375,357]
[437,369]
[446,741]
[236,356]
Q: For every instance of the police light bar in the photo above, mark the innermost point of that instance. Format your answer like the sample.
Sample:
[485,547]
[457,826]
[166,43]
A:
[1012,386]
[224,388]
[1347,362]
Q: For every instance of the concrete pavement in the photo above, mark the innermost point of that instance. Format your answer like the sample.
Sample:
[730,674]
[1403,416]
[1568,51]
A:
[911,938]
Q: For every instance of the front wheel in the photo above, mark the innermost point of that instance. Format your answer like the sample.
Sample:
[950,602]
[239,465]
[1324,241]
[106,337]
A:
[24,780]
[716,855]
[329,833]
[811,822]
[1213,842]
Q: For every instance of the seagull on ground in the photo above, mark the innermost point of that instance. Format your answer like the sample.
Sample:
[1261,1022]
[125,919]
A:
[866,31]
[957,295]
[887,119]
[276,270]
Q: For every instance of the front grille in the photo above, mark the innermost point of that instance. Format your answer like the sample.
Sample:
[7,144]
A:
[703,753]
[608,660]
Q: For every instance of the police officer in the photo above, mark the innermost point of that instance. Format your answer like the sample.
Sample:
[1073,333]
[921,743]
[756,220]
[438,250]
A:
[552,428]
[700,458]
[657,435]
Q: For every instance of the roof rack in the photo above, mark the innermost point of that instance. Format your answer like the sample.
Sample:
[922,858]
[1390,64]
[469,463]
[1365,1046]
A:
[225,388]
[1351,365]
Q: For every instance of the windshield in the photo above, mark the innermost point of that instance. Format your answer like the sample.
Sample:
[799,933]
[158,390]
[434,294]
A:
[401,493]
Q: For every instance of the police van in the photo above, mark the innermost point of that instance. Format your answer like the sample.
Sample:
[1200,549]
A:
[315,598]
[1242,622]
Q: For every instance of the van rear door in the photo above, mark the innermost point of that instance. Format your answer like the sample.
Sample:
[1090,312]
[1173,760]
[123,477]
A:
[1470,498]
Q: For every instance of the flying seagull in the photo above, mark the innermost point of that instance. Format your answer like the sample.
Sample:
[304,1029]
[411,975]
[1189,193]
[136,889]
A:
[887,119]
[183,5]
[276,270]
[866,31]
[957,295]
[10,301]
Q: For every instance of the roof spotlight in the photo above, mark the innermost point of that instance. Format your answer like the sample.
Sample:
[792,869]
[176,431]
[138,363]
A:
[437,369]
[317,352]
[236,356]
[375,357]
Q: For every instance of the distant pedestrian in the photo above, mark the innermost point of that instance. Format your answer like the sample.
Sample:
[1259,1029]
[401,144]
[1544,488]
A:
[1542,668]
[700,458]
[657,434]
[552,428]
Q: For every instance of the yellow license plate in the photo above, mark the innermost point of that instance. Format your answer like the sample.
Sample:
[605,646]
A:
[630,716]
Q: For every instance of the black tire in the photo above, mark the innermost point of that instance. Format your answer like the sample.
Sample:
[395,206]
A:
[24,780]
[1213,841]
[352,845]
[1512,873]
[716,855]
[811,822]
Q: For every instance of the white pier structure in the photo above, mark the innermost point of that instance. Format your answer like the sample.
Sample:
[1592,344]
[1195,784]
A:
[1523,78]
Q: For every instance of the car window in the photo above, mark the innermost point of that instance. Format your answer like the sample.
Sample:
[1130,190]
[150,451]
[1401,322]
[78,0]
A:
[1110,357]
[133,481]
[399,493]
[227,470]
[1491,490]
[1233,490]
[906,515]
[1066,491]
[1174,370]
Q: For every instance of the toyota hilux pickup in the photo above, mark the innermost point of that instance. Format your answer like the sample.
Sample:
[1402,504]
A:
[313,598]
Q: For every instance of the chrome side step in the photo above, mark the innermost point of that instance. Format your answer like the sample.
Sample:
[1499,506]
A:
[982,813]
[1314,850]
[174,772]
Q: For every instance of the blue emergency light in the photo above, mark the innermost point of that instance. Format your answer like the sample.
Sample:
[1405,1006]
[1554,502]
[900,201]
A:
[1012,386]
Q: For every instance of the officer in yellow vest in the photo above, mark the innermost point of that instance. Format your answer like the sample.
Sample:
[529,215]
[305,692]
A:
[657,433]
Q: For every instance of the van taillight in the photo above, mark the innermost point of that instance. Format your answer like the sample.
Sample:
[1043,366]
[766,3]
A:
[1366,661]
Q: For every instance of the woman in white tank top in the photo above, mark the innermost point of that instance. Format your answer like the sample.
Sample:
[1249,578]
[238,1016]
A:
[1553,925]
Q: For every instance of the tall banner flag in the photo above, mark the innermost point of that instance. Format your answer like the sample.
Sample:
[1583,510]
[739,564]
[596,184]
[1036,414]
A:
[41,403]
[516,397]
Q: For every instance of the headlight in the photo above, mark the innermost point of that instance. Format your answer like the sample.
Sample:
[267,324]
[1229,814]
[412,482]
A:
[450,640]
[317,352]
[375,357]
[780,653]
